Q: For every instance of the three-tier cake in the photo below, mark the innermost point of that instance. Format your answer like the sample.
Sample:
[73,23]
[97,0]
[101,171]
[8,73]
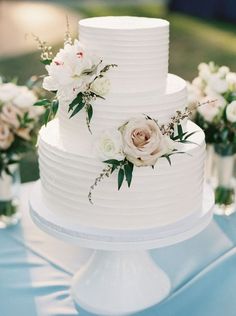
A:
[140,85]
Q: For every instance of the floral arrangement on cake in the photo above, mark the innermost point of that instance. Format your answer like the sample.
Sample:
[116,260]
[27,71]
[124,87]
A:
[18,123]
[140,142]
[75,76]
[218,118]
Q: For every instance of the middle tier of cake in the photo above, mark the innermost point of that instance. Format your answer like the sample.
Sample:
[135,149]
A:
[116,109]
[157,197]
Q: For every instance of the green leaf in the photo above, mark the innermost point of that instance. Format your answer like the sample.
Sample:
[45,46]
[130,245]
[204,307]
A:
[90,112]
[180,131]
[43,102]
[54,106]
[121,175]
[129,172]
[113,162]
[47,115]
[76,101]
[78,108]
[168,159]
[189,135]
[46,61]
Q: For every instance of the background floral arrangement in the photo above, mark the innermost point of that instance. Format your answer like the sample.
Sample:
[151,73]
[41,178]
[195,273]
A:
[218,118]
[75,76]
[19,121]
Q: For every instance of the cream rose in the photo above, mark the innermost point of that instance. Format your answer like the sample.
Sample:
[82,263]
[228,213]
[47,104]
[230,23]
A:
[231,80]
[143,142]
[109,145]
[9,115]
[6,136]
[101,86]
[231,112]
[218,84]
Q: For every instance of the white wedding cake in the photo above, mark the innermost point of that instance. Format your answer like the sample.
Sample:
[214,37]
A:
[139,85]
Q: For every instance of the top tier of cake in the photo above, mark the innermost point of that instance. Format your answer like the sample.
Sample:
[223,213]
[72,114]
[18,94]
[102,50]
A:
[139,46]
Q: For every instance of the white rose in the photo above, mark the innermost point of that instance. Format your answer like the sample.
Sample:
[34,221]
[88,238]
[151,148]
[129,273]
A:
[217,84]
[25,98]
[143,142]
[8,91]
[210,110]
[6,136]
[231,80]
[10,115]
[101,86]
[109,145]
[231,112]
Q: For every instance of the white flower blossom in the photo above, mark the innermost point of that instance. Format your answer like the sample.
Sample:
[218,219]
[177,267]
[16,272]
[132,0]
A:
[231,112]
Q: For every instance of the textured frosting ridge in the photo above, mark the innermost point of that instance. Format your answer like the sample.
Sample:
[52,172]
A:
[156,197]
[139,46]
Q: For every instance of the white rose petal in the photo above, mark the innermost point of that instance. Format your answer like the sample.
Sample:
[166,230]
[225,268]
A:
[109,145]
[231,112]
[231,80]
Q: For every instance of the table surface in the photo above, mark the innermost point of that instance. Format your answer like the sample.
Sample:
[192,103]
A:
[36,271]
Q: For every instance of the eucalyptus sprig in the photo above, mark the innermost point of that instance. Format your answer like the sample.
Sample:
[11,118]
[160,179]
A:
[124,170]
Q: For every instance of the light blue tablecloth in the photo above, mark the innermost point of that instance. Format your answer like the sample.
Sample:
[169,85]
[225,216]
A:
[36,270]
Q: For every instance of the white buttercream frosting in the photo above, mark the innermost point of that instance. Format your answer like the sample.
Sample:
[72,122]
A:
[140,84]
[139,46]
[156,197]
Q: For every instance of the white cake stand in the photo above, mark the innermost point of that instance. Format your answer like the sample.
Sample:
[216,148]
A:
[120,277]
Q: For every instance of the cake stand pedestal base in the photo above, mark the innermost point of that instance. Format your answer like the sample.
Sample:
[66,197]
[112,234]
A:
[120,278]
[119,283]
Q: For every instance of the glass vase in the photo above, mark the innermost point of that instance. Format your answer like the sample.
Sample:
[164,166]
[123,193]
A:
[9,197]
[210,163]
[224,183]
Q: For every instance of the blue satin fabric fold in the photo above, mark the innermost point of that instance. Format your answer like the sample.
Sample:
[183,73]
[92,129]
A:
[36,271]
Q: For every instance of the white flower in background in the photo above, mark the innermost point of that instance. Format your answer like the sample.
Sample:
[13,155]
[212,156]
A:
[206,70]
[25,98]
[198,83]
[223,71]
[194,93]
[8,91]
[109,145]
[143,142]
[211,110]
[101,86]
[67,71]
[6,136]
[231,112]
[231,80]
[10,114]
[217,84]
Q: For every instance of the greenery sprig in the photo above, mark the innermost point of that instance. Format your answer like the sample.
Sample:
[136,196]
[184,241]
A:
[124,170]
[85,99]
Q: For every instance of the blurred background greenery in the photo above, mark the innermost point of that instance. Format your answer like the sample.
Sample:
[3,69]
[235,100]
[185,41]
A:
[192,39]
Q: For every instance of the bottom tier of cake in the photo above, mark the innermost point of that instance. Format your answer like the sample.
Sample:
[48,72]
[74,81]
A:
[157,197]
